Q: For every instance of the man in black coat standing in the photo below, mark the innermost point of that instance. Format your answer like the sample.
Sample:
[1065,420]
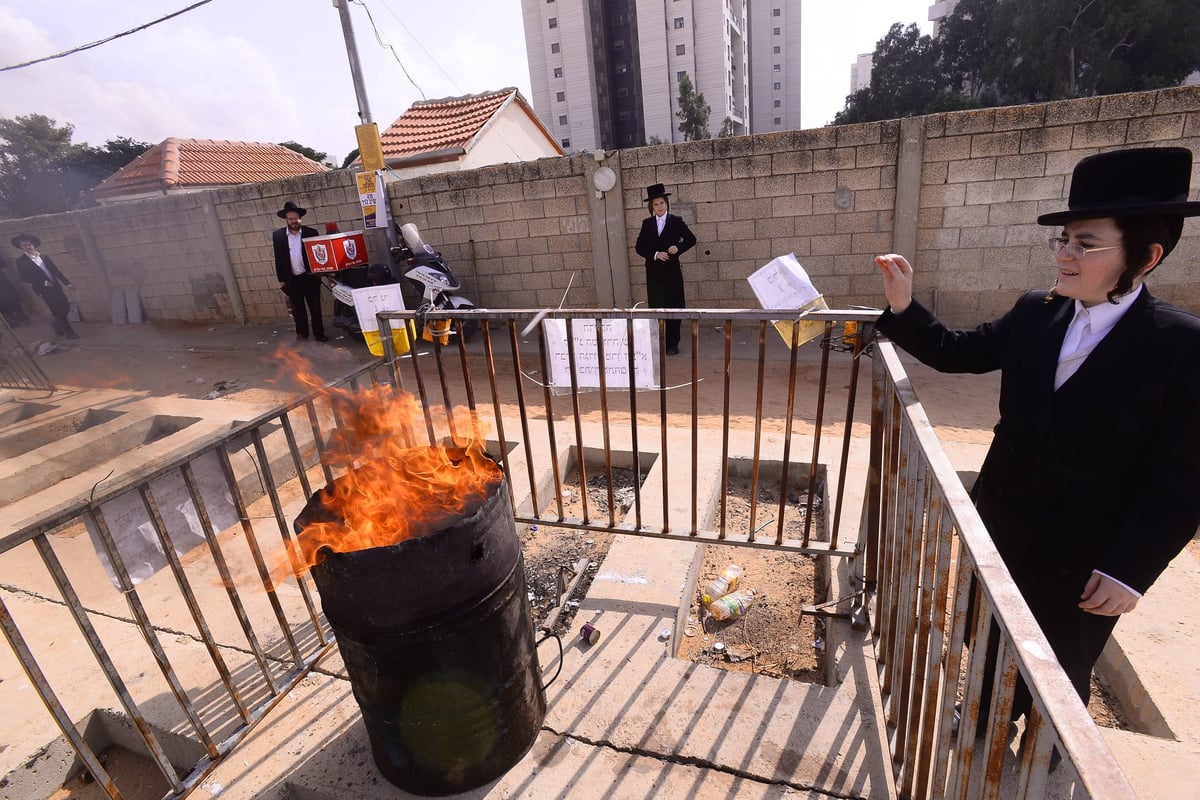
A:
[663,239]
[46,280]
[296,278]
[1092,482]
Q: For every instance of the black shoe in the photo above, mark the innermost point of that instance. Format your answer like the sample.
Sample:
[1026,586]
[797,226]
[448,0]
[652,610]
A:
[322,338]
[72,335]
[672,351]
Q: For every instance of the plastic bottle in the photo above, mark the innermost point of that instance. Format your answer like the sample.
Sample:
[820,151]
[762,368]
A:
[721,585]
[732,605]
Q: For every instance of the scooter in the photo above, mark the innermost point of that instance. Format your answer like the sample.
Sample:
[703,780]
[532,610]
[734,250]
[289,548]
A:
[440,289]
[341,285]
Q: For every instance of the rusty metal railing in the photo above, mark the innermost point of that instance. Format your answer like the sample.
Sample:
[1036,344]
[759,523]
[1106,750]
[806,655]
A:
[252,636]
[687,411]
[927,557]
[18,370]
[802,422]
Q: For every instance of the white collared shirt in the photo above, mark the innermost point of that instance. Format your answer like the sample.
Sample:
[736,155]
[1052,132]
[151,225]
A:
[36,258]
[296,250]
[1088,329]
[661,222]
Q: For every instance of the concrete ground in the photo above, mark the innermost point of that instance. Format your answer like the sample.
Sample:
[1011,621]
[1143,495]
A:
[625,718]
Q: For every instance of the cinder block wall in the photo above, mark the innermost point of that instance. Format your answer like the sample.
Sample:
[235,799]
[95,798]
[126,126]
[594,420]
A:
[826,195]
[958,192]
[514,234]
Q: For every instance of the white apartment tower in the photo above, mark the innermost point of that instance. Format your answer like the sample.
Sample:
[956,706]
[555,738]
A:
[774,65]
[605,73]
[938,11]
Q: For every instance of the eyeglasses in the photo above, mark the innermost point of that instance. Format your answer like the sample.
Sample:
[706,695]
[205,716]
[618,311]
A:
[1075,252]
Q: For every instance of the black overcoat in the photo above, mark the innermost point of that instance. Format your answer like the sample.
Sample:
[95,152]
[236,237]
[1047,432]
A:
[664,279]
[1103,474]
[283,258]
[51,291]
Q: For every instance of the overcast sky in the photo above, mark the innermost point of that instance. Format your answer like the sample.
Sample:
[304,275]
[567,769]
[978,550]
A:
[276,70]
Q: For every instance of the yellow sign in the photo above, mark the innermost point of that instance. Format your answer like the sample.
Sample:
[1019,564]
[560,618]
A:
[370,147]
[373,198]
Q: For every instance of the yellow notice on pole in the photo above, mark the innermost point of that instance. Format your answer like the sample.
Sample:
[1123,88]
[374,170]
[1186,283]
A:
[370,147]
[373,198]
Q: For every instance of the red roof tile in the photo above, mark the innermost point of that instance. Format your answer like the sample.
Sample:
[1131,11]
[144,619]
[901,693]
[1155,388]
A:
[430,126]
[177,163]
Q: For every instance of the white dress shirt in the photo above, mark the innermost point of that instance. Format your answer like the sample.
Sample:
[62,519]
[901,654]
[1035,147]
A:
[296,250]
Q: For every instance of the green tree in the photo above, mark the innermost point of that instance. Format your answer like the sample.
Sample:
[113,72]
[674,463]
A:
[693,112]
[84,166]
[308,152]
[32,148]
[349,159]
[43,172]
[963,40]
[992,52]
[905,79]
[726,129]
[1058,49]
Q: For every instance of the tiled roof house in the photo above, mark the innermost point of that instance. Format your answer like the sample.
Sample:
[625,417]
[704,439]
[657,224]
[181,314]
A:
[191,165]
[457,133]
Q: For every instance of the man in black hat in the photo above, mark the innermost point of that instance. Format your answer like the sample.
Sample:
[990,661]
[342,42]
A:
[1092,482]
[46,280]
[296,279]
[663,238]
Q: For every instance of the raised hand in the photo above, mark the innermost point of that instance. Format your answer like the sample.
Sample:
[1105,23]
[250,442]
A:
[897,280]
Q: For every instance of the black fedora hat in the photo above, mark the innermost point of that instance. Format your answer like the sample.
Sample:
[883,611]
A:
[25,237]
[1150,181]
[656,190]
[290,206]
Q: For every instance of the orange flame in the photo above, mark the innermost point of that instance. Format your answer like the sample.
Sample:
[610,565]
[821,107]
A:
[391,488]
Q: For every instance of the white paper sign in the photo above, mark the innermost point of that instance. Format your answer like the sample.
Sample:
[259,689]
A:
[370,300]
[128,520]
[783,283]
[587,356]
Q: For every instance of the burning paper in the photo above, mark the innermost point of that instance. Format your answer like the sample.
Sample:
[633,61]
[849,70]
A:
[783,283]
[392,487]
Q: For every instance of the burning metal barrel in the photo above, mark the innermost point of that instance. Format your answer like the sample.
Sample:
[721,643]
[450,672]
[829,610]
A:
[436,635]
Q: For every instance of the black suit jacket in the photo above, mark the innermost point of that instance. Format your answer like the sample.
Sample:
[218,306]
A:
[1104,473]
[31,274]
[283,258]
[664,279]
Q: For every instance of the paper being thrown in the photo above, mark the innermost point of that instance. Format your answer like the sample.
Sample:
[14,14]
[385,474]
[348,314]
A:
[783,283]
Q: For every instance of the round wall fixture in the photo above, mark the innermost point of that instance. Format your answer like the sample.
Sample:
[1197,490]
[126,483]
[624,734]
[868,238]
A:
[604,179]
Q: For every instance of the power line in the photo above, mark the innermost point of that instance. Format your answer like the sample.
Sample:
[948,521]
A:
[433,60]
[106,40]
[384,44]
[417,42]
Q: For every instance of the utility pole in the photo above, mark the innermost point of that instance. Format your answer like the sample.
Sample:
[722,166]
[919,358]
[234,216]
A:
[364,113]
[360,91]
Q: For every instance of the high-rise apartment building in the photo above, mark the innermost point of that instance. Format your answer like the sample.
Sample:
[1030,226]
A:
[774,65]
[860,72]
[938,11]
[605,73]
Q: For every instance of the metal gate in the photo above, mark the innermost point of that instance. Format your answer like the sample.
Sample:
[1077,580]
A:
[18,370]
